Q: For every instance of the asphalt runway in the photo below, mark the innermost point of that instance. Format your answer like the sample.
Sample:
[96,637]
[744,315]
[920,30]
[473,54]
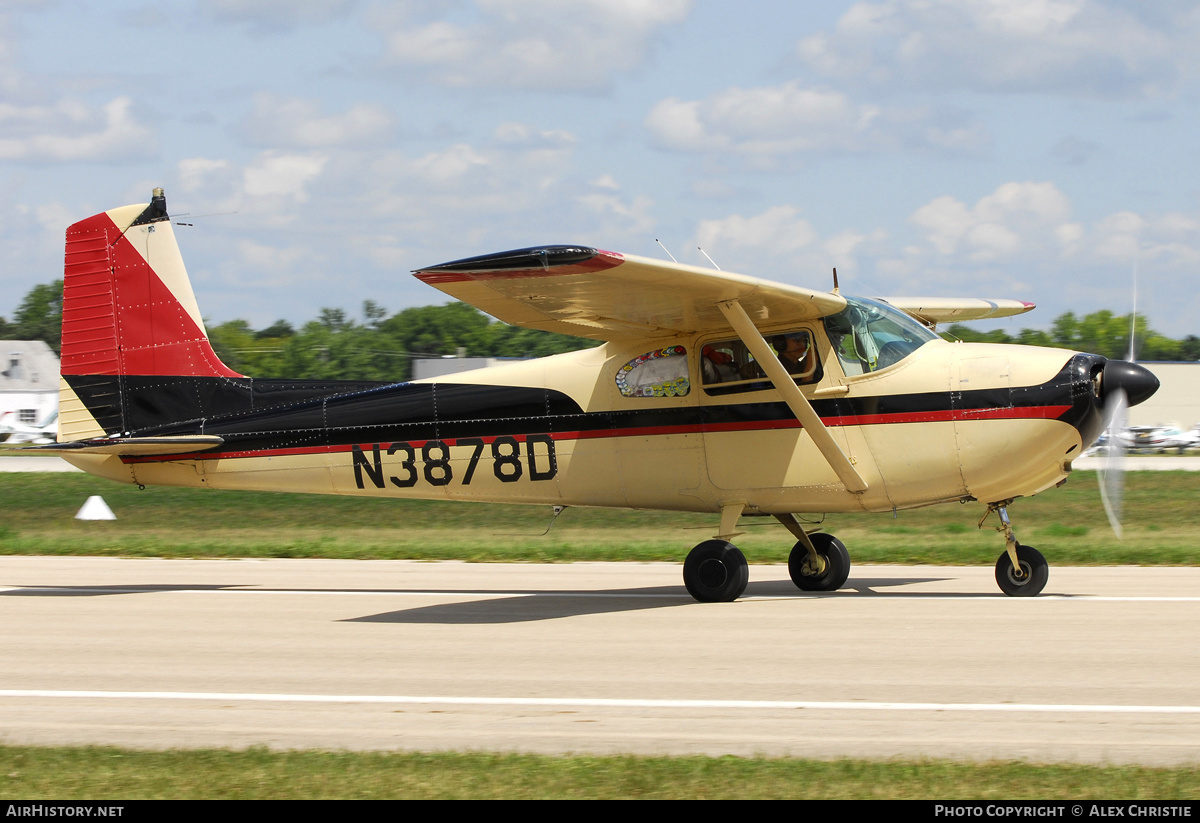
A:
[598,658]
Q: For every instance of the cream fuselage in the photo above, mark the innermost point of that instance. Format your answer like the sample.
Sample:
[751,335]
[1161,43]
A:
[951,421]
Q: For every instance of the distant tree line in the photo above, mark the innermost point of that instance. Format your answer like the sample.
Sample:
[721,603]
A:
[1101,332]
[39,317]
[379,347]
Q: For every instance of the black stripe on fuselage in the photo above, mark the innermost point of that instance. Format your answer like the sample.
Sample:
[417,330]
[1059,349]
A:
[261,415]
[138,404]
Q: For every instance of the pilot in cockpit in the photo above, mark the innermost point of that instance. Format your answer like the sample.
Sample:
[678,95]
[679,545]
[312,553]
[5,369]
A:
[795,352]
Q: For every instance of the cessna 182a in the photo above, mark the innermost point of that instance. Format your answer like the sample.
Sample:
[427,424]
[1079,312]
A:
[710,392]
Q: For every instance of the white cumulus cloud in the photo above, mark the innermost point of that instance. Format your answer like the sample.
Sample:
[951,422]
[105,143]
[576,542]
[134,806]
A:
[526,44]
[1016,218]
[1075,47]
[777,244]
[282,175]
[72,131]
[288,122]
[770,120]
[768,123]
[615,215]
[194,172]
[267,16]
[778,230]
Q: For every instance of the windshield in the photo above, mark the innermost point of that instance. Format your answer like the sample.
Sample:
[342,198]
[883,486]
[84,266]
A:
[869,335]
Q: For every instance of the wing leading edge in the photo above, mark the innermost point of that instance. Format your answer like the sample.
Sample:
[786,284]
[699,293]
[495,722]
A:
[607,296]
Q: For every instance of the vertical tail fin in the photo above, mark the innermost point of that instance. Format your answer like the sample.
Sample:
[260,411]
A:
[129,313]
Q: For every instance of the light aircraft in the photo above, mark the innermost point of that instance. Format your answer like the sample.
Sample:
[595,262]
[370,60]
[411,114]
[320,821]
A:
[1158,439]
[15,432]
[1153,439]
[709,392]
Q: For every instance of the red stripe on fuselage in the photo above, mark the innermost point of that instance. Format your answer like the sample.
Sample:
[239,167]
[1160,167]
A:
[955,415]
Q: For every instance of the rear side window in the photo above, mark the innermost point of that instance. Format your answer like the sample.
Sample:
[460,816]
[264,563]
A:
[658,373]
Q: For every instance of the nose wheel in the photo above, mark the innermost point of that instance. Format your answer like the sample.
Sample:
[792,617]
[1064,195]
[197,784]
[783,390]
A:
[1021,571]
[1027,578]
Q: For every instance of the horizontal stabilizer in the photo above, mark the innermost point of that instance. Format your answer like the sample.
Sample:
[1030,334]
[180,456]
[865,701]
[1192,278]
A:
[132,446]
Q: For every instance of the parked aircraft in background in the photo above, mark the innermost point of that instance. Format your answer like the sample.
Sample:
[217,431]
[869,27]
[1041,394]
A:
[12,431]
[708,392]
[1159,439]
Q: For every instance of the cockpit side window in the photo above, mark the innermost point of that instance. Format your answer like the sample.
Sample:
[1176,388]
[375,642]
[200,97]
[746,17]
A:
[869,335]
[658,373]
[728,367]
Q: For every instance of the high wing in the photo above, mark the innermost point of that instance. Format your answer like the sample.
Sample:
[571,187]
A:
[607,296]
[934,310]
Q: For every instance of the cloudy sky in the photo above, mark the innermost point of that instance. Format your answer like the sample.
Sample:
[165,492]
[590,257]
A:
[1031,149]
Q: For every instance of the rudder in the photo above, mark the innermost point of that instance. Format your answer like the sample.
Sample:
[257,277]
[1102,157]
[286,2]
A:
[128,312]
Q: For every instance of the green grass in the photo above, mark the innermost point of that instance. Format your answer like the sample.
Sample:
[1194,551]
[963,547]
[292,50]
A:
[1067,524]
[106,773]
[39,518]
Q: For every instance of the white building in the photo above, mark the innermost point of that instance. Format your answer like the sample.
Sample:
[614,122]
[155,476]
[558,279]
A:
[28,380]
[1177,401]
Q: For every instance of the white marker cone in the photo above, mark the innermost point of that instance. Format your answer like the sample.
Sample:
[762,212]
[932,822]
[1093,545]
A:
[95,509]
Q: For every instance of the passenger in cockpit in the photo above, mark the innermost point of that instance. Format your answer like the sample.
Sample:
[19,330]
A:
[717,365]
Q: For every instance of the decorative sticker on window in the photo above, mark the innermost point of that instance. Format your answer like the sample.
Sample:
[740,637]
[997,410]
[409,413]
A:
[660,373]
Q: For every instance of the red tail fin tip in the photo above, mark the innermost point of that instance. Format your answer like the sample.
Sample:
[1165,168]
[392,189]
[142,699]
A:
[128,306]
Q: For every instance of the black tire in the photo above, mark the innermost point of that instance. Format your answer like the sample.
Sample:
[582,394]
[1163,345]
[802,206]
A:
[1035,573]
[837,564]
[716,572]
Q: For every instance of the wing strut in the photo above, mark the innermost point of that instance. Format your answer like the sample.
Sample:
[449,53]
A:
[796,401]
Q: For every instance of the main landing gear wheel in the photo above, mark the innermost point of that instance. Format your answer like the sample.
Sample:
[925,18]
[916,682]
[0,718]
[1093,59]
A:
[716,572]
[836,564]
[1029,580]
